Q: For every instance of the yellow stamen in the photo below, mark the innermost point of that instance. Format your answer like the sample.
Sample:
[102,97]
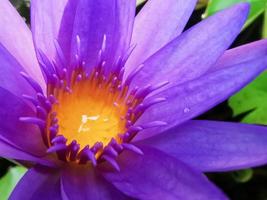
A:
[93,112]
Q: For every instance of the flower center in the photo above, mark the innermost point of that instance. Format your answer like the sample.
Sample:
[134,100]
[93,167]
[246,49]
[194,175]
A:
[89,116]
[94,111]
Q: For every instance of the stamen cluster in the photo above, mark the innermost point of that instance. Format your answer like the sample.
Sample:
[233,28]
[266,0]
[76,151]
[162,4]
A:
[72,91]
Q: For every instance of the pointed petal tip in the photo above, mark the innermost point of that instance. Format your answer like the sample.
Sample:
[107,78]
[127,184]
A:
[237,11]
[246,6]
[243,7]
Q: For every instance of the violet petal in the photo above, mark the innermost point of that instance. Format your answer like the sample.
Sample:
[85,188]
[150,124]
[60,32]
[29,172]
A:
[188,100]
[155,175]
[214,146]
[83,182]
[16,37]
[38,183]
[192,53]
[156,24]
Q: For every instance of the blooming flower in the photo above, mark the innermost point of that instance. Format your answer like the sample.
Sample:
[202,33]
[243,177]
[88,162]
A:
[107,115]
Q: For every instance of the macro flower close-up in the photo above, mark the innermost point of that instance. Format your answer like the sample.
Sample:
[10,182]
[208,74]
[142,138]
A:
[99,102]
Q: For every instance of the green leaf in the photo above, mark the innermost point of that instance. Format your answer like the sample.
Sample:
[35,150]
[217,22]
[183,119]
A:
[264,29]
[252,98]
[257,8]
[201,4]
[19,3]
[9,181]
[243,176]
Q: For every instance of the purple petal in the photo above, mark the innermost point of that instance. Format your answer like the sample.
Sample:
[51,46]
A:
[156,24]
[196,50]
[38,183]
[10,77]
[11,152]
[16,37]
[242,54]
[25,136]
[214,146]
[190,99]
[155,175]
[97,19]
[83,182]
[53,20]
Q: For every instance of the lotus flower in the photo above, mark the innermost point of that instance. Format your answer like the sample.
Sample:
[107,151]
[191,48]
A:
[98,103]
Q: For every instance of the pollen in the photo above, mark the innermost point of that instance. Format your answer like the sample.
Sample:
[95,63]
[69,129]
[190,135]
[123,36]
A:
[92,112]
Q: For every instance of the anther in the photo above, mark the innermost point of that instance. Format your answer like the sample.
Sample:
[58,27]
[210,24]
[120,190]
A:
[104,43]
[59,139]
[32,82]
[31,99]
[132,148]
[111,161]
[41,112]
[56,147]
[78,46]
[133,74]
[74,149]
[33,120]
[109,150]
[153,124]
[60,54]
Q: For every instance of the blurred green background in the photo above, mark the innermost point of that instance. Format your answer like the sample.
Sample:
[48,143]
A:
[248,106]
